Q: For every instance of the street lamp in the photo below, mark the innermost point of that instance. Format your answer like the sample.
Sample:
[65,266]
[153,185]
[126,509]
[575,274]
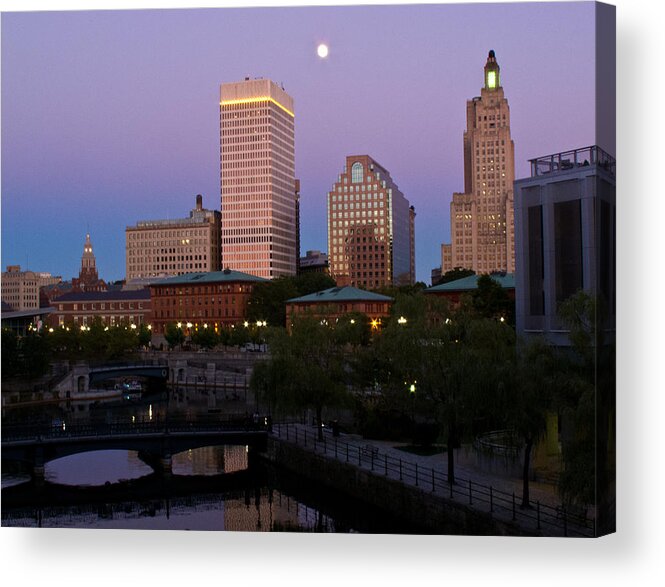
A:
[401,320]
[132,326]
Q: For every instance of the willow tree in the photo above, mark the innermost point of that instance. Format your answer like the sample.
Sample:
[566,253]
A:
[306,368]
[589,403]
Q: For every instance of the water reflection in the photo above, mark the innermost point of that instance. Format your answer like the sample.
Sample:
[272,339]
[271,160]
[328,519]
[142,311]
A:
[251,510]
[90,469]
[210,460]
[111,466]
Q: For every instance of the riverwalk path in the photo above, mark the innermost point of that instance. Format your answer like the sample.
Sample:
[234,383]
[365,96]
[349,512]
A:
[483,491]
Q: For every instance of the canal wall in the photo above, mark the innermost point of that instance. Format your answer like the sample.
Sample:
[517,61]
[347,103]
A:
[434,514]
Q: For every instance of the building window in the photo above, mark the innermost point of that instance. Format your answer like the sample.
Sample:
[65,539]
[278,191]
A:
[567,249]
[536,261]
[356,173]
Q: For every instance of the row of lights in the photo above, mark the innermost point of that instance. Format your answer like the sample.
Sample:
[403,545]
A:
[85,328]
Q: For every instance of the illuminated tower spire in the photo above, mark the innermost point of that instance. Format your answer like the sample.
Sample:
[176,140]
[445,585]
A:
[88,273]
[492,72]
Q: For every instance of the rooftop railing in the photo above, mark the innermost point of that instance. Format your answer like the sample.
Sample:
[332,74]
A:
[584,157]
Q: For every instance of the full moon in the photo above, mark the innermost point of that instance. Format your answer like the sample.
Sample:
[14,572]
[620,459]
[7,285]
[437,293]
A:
[322,51]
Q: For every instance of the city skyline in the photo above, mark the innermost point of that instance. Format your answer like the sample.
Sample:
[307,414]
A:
[68,171]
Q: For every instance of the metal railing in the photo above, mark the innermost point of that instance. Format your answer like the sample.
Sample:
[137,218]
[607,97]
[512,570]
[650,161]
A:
[45,432]
[539,516]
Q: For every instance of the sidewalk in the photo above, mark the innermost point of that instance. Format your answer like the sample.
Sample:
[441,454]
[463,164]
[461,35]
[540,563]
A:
[472,485]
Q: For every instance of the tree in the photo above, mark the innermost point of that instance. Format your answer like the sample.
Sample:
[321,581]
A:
[530,399]
[205,338]
[268,299]
[10,353]
[454,275]
[35,354]
[354,329]
[490,300]
[313,359]
[174,335]
[144,336]
[588,401]
[451,371]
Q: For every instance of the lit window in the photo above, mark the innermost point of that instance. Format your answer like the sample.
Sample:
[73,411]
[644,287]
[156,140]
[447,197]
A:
[356,173]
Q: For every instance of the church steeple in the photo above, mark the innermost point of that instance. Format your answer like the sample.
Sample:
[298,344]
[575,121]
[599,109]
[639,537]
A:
[492,75]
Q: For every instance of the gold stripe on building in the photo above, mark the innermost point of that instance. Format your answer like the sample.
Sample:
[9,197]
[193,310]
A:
[257,99]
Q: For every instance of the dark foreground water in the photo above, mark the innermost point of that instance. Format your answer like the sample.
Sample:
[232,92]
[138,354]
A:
[212,488]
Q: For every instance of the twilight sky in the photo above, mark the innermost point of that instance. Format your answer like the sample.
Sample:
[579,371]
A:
[110,117]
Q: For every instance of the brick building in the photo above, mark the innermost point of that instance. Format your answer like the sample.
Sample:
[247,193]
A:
[115,306]
[215,299]
[337,301]
[454,290]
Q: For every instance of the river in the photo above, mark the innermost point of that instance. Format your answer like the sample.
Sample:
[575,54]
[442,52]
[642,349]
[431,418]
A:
[211,488]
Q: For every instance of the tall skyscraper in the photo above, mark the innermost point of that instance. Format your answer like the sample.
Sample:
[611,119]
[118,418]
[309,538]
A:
[257,163]
[482,218]
[370,227]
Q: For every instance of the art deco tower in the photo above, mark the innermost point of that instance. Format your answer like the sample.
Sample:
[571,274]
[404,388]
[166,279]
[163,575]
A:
[481,219]
[257,162]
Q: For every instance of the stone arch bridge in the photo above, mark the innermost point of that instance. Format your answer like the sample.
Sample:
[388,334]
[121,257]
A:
[155,442]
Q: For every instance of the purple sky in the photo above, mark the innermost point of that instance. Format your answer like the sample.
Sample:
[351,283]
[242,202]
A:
[110,117]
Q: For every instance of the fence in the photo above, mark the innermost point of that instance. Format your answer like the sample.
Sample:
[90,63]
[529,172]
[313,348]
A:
[547,518]
[41,432]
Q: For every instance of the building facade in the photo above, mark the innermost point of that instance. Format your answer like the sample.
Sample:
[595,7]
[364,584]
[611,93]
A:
[161,248]
[21,289]
[482,218]
[331,304]
[211,300]
[114,307]
[565,218]
[313,262]
[259,193]
[370,227]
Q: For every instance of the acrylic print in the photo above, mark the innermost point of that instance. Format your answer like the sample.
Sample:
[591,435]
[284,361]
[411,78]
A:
[310,269]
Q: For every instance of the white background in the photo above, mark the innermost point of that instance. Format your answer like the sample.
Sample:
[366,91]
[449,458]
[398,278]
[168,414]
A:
[633,556]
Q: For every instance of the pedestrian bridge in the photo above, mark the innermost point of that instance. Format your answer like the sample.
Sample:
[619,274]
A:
[155,441]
